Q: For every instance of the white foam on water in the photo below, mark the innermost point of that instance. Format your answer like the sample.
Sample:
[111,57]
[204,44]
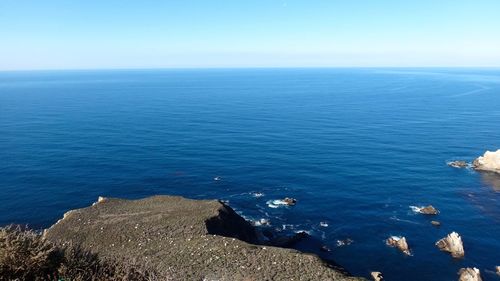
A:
[396,238]
[416,209]
[323,224]
[261,222]
[257,194]
[276,203]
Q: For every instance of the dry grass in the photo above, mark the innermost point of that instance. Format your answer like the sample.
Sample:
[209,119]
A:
[25,255]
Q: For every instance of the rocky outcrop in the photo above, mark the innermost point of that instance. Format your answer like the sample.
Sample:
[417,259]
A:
[435,223]
[469,274]
[400,243]
[457,164]
[377,276]
[452,244]
[186,240]
[290,201]
[490,161]
[429,210]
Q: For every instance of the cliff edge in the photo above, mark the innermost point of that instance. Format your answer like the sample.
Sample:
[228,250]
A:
[186,240]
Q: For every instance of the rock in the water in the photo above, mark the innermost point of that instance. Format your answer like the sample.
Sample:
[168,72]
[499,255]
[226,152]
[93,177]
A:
[452,244]
[429,210]
[490,161]
[469,274]
[344,242]
[400,243]
[498,270]
[457,164]
[288,240]
[290,201]
[186,240]
[377,276]
[435,223]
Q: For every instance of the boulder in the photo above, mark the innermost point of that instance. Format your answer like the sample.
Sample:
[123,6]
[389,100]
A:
[498,270]
[429,210]
[400,243]
[377,276]
[452,243]
[490,161]
[457,164]
[435,223]
[290,201]
[469,274]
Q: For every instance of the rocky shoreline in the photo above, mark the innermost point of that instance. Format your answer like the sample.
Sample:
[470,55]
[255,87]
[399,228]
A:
[188,240]
[488,162]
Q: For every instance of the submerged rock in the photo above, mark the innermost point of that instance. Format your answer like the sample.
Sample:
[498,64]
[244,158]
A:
[344,242]
[469,274]
[457,164]
[398,242]
[377,276]
[490,161]
[290,201]
[186,240]
[452,244]
[325,248]
[435,223]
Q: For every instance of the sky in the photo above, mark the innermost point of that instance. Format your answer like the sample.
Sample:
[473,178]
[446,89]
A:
[121,34]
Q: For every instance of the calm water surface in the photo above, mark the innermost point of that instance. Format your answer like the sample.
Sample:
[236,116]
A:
[356,147]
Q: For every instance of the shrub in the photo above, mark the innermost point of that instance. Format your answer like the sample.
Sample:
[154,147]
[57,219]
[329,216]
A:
[26,255]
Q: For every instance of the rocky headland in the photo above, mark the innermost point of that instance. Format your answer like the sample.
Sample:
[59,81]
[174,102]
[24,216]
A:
[186,240]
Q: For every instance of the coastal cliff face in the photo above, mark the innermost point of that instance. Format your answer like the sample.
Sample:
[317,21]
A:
[186,240]
[490,161]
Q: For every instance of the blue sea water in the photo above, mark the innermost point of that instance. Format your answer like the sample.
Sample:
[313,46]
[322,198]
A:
[355,147]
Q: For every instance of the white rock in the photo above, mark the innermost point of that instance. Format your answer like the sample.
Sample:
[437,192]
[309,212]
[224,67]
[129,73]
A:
[377,276]
[490,161]
[469,274]
[452,244]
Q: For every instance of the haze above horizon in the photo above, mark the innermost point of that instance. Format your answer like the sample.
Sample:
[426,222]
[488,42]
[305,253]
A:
[262,33]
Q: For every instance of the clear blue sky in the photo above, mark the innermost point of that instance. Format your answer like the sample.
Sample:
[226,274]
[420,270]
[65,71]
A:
[74,34]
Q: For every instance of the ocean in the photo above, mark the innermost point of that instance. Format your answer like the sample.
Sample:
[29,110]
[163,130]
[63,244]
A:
[355,147]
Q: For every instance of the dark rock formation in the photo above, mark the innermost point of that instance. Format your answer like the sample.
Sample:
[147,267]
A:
[288,240]
[452,244]
[469,274]
[185,239]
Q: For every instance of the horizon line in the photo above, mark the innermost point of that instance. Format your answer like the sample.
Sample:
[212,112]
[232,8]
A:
[243,67]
